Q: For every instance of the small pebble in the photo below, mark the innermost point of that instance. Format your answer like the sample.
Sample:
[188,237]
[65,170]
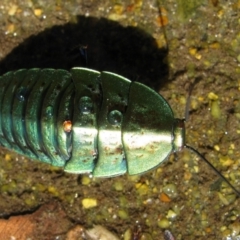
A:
[142,189]
[215,45]
[53,191]
[193,51]
[164,197]
[235,227]
[7,157]
[118,186]
[75,233]
[224,199]
[216,147]
[38,12]
[12,10]
[171,214]
[10,28]
[118,9]
[238,58]
[212,96]
[168,235]
[145,236]
[170,190]
[163,223]
[226,161]
[89,203]
[86,180]
[128,234]
[100,233]
[123,214]
[215,109]
[162,21]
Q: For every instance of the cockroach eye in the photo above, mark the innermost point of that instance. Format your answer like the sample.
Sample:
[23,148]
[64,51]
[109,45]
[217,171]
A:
[133,142]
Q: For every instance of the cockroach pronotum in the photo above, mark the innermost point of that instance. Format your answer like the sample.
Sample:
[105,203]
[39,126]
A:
[88,121]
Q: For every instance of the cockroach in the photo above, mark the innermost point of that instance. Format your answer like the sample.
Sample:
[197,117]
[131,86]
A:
[89,122]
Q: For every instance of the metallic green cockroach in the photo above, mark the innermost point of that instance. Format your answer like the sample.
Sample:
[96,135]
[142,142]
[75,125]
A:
[88,122]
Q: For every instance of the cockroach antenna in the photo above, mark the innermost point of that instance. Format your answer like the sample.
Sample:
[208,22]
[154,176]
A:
[159,4]
[214,169]
[180,123]
[87,121]
[103,135]
[194,150]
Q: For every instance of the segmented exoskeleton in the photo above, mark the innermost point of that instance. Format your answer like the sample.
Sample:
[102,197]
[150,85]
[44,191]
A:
[86,121]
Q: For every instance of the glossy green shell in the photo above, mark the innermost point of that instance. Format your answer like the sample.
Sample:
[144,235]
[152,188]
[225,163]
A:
[116,126]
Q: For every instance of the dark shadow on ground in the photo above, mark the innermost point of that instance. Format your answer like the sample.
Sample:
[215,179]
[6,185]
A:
[127,51]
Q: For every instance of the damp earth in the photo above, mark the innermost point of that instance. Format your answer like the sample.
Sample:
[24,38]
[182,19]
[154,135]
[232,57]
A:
[166,45]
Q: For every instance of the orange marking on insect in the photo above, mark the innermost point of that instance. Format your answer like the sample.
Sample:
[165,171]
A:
[67,126]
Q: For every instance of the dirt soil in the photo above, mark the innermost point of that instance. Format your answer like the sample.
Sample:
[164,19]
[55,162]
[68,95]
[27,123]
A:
[166,45]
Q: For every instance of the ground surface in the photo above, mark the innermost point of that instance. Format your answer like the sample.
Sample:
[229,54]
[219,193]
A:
[165,45]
